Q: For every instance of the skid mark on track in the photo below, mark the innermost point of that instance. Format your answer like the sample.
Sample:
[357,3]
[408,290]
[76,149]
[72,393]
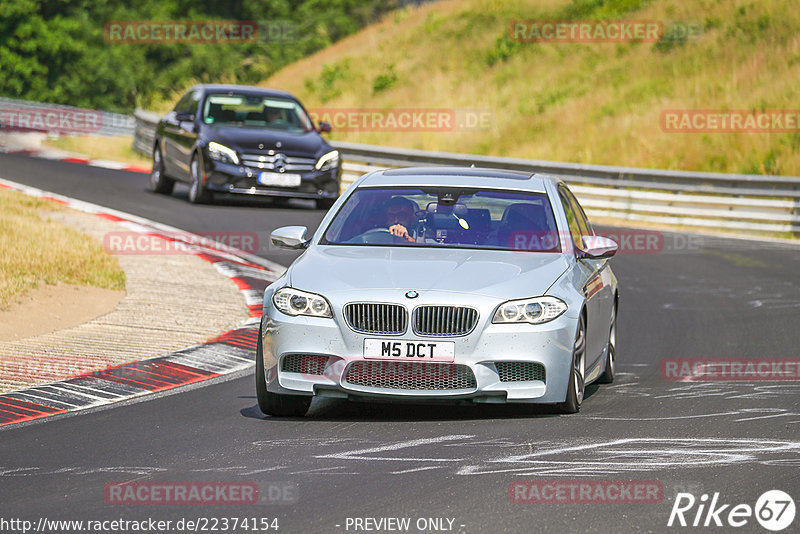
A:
[473,457]
[359,454]
[638,454]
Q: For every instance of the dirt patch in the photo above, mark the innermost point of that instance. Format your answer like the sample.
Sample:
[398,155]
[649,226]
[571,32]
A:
[54,307]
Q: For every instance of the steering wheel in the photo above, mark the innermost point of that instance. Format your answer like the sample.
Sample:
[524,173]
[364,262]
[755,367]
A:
[380,236]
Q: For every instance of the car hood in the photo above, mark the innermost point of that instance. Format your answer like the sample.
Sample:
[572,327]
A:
[248,140]
[501,274]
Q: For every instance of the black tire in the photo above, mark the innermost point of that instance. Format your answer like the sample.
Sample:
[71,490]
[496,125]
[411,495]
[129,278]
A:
[198,194]
[159,182]
[577,384]
[272,403]
[611,360]
[325,203]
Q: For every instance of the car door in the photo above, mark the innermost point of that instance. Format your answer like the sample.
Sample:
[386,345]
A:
[595,287]
[179,131]
[186,135]
[171,126]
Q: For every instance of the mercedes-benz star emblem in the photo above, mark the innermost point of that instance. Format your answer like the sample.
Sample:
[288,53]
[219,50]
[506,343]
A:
[279,163]
[278,144]
[260,146]
[412,294]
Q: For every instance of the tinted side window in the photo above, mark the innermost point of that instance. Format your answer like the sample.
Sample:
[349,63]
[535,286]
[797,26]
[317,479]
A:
[183,104]
[194,102]
[572,219]
[583,221]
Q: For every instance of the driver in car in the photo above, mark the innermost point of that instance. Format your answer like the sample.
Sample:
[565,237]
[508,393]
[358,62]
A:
[400,214]
[272,115]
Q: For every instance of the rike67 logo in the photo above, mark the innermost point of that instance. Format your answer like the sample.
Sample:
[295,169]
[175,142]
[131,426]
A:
[774,510]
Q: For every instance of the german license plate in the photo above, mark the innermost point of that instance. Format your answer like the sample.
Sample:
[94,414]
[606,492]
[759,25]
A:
[279,179]
[429,351]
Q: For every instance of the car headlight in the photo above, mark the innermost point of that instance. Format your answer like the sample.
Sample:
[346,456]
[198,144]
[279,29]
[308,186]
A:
[328,161]
[534,310]
[222,153]
[295,302]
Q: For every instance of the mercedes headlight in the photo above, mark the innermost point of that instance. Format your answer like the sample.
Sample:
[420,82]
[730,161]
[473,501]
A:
[295,302]
[222,153]
[328,161]
[535,310]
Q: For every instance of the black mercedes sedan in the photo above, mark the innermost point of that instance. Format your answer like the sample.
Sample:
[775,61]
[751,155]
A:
[244,140]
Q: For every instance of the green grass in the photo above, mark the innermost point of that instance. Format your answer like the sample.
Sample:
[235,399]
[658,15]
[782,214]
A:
[582,102]
[35,250]
[119,148]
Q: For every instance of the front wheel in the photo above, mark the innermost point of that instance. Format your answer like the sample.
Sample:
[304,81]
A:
[198,194]
[577,382]
[611,360]
[272,403]
[159,183]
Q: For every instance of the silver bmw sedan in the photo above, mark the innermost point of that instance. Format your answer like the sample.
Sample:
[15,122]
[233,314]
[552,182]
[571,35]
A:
[441,284]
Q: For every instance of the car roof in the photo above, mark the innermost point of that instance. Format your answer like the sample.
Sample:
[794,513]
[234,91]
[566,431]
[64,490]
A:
[248,89]
[457,177]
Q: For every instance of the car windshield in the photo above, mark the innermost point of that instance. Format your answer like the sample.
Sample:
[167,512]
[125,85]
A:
[256,111]
[446,217]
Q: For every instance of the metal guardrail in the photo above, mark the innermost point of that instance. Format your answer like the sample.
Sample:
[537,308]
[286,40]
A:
[43,117]
[742,202]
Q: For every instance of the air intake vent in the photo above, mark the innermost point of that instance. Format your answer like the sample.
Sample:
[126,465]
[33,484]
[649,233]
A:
[410,375]
[307,364]
[520,371]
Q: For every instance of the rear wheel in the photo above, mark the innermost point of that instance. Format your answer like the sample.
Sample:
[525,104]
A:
[272,403]
[198,194]
[611,359]
[159,182]
[577,384]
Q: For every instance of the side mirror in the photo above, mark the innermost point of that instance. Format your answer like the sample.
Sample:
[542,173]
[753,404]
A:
[325,127]
[595,246]
[290,237]
[184,117]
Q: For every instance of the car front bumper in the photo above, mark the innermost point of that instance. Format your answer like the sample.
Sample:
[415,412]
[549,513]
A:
[242,180]
[549,345]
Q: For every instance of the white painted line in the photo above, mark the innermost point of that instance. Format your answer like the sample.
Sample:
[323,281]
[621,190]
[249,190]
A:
[414,470]
[358,453]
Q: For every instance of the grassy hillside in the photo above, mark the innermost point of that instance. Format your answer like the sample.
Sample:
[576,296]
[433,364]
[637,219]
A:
[583,102]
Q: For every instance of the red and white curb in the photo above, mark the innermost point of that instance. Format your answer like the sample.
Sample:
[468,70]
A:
[58,155]
[230,352]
